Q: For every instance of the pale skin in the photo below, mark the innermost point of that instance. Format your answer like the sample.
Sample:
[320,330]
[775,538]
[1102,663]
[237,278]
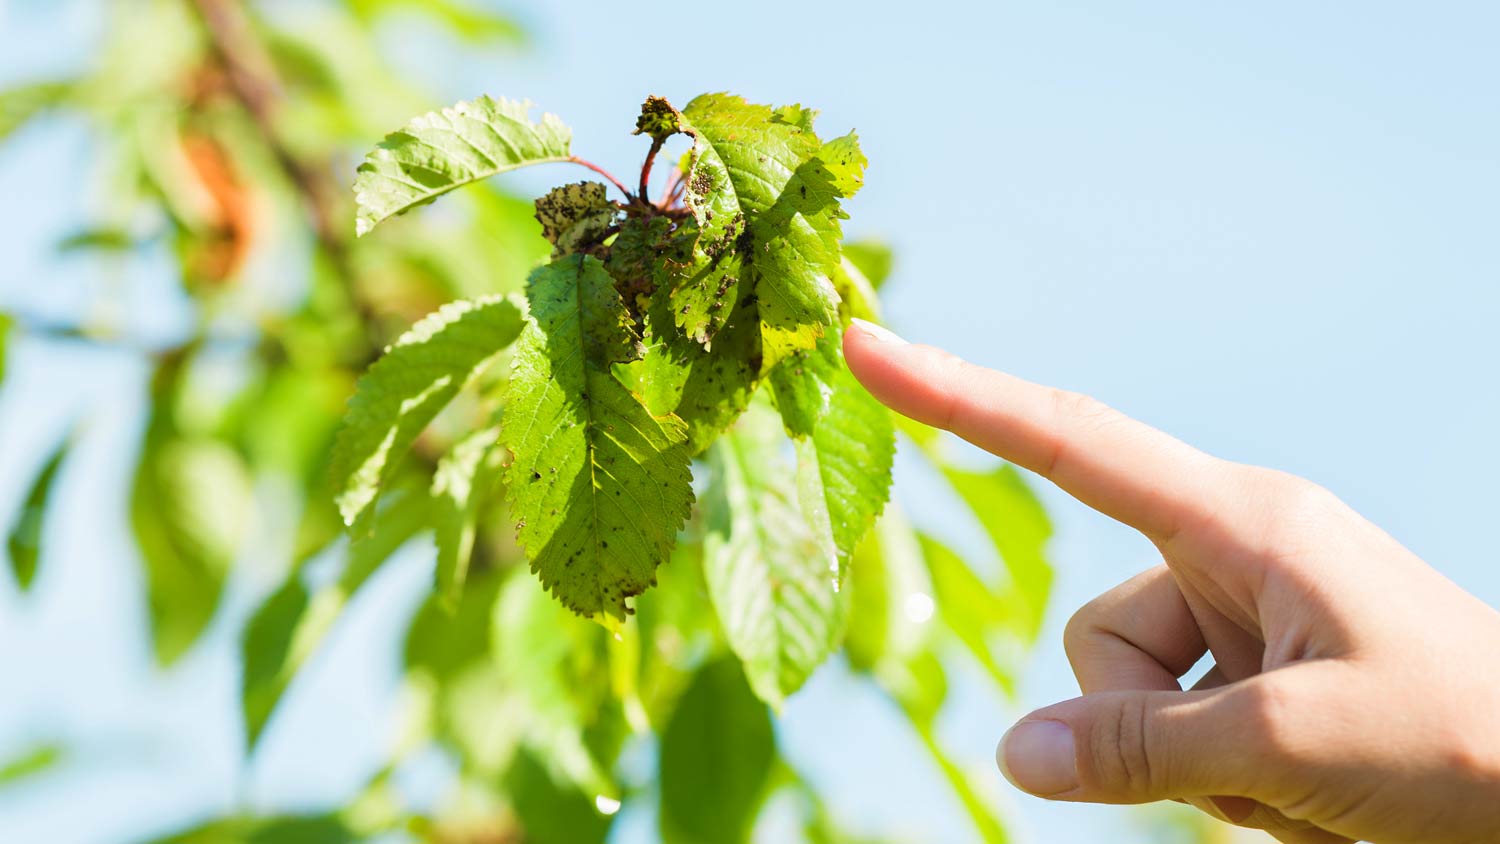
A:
[1355,693]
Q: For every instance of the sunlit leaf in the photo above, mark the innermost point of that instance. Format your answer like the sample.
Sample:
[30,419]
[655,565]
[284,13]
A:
[919,685]
[7,328]
[97,239]
[575,215]
[786,185]
[1015,522]
[450,148]
[969,607]
[708,388]
[889,590]
[464,478]
[599,485]
[416,378]
[872,259]
[1018,526]
[844,467]
[773,584]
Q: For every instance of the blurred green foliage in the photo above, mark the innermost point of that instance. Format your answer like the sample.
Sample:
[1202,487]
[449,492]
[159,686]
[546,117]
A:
[229,131]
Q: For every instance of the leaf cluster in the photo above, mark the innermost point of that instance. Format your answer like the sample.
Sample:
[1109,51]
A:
[636,403]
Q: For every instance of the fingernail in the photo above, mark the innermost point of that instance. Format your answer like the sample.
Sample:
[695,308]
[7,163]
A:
[878,333]
[1037,757]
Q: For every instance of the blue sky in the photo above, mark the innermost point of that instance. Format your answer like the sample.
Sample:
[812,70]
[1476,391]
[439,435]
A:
[1269,228]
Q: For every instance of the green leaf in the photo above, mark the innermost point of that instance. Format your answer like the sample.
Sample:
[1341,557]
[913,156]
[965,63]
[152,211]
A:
[889,590]
[443,639]
[919,685]
[7,330]
[803,383]
[989,826]
[797,257]
[464,478]
[552,812]
[968,607]
[100,239]
[188,508]
[844,469]
[463,19]
[31,762]
[25,540]
[856,294]
[286,829]
[287,628]
[190,503]
[416,378]
[600,486]
[23,102]
[1018,526]
[702,277]
[556,666]
[845,448]
[450,148]
[708,388]
[772,583]
[721,381]
[277,640]
[660,376]
[872,259]
[1015,522]
[716,757]
[769,170]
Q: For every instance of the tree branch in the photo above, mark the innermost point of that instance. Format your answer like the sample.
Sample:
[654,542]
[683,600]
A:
[256,85]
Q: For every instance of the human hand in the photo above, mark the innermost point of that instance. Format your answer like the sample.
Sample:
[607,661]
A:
[1355,692]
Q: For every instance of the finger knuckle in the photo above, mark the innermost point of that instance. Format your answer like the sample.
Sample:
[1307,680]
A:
[1121,751]
[1297,499]
[1072,411]
[1296,511]
[1067,404]
[1079,630]
[1274,717]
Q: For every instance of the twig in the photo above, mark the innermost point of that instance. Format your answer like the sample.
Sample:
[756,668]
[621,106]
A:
[603,172]
[656,143]
[43,329]
[255,84]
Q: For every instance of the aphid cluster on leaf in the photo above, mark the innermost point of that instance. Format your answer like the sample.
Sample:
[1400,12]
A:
[644,339]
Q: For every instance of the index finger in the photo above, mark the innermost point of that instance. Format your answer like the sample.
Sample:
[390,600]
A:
[1120,467]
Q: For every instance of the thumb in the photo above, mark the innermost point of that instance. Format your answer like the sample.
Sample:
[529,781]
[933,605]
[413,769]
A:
[1138,747]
